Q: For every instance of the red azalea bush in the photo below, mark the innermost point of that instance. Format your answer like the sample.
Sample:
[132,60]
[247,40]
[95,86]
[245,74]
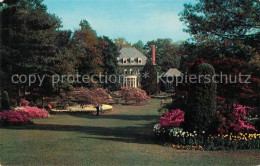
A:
[24,102]
[171,119]
[14,116]
[236,121]
[35,113]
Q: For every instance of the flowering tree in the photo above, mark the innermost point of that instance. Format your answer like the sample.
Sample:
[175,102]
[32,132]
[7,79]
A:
[139,95]
[126,94]
[91,96]
[136,94]
[171,119]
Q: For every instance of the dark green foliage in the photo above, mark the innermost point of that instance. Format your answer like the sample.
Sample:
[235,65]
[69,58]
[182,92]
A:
[167,54]
[223,19]
[149,78]
[200,113]
[109,58]
[29,44]
[5,103]
[139,46]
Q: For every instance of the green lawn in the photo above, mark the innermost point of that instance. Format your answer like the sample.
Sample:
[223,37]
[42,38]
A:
[121,137]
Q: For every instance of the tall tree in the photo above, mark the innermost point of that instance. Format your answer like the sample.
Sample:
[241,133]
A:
[224,19]
[167,54]
[28,42]
[91,59]
[139,46]
[121,42]
[229,32]
[149,78]
[110,65]
[201,111]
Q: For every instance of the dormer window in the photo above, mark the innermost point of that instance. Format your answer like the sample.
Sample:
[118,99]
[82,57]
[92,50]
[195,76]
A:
[139,60]
[124,60]
[132,60]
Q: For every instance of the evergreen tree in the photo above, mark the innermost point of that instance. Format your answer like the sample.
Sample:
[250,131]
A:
[29,45]
[201,111]
[149,78]
[227,35]
[110,65]
[139,46]
[5,103]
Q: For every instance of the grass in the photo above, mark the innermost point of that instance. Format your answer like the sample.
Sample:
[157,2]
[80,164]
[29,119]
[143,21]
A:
[121,137]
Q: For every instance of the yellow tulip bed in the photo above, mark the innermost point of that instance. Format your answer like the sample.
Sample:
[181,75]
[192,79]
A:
[86,108]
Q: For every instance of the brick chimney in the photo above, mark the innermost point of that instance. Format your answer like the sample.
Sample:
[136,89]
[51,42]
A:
[153,54]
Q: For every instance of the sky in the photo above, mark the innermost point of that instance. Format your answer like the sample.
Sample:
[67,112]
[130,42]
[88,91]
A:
[134,20]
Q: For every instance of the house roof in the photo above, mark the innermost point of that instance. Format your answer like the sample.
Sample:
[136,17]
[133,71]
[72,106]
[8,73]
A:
[129,52]
[172,72]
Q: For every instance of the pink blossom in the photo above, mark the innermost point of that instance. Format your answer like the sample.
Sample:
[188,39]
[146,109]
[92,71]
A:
[14,116]
[35,113]
[174,118]
[24,102]
[238,120]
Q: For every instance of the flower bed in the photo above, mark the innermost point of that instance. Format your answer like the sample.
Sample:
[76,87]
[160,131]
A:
[233,131]
[79,109]
[199,141]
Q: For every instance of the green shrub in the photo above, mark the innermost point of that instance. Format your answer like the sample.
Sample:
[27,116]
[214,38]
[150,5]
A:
[5,103]
[201,111]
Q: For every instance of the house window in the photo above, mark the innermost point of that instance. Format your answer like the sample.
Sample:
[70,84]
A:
[132,60]
[130,82]
[124,60]
[125,72]
[118,59]
[139,83]
[131,71]
[139,60]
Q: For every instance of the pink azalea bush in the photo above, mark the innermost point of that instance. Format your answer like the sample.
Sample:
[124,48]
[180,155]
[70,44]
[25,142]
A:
[171,119]
[24,102]
[136,94]
[238,121]
[14,116]
[35,113]
[23,115]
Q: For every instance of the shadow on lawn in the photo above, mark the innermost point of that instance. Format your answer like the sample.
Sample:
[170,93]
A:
[134,134]
[121,117]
